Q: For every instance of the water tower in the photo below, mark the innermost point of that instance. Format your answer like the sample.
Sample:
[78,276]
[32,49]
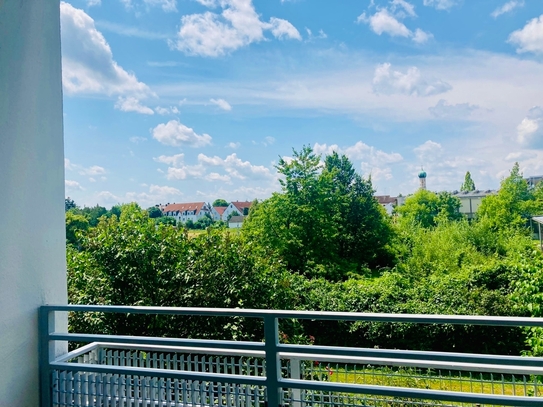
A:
[422,179]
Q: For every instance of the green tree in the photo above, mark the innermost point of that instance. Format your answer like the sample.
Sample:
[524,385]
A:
[154,212]
[220,202]
[325,222]
[69,204]
[468,184]
[165,220]
[204,222]
[75,223]
[425,208]
[513,205]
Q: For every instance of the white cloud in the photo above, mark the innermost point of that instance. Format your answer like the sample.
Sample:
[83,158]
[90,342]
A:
[373,161]
[530,130]
[238,25]
[520,156]
[403,8]
[177,134]
[166,110]
[268,140]
[72,185]
[167,5]
[87,60]
[214,176]
[130,31]
[441,4]
[137,139]
[507,7]
[530,37]
[156,194]
[178,169]
[387,81]
[383,22]
[223,104]
[236,167]
[233,145]
[428,151]
[421,37]
[282,29]
[386,20]
[92,170]
[91,3]
[132,104]
[444,110]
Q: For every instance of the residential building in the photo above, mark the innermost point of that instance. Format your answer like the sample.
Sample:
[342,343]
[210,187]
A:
[241,207]
[217,212]
[236,222]
[471,200]
[388,202]
[182,212]
[534,180]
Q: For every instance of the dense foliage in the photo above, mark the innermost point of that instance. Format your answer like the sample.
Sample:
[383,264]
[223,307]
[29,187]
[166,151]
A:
[322,243]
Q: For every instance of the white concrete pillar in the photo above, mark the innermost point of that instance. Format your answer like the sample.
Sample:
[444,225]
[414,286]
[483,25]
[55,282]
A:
[32,232]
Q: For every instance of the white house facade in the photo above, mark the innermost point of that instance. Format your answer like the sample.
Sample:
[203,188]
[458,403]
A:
[183,212]
[236,222]
[239,207]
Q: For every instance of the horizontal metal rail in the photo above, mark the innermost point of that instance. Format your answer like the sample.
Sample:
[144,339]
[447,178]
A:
[315,315]
[272,352]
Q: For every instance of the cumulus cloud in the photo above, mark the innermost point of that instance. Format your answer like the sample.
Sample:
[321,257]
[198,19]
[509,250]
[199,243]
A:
[388,81]
[87,61]
[137,139]
[530,129]
[72,185]
[238,25]
[177,134]
[166,5]
[428,151]
[507,7]
[444,110]
[166,110]
[441,4]
[372,161]
[387,20]
[221,103]
[132,104]
[530,37]
[236,167]
[91,3]
[156,194]
[82,170]
[233,145]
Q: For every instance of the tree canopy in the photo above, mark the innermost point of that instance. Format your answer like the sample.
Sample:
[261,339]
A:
[220,202]
[425,208]
[325,221]
[468,184]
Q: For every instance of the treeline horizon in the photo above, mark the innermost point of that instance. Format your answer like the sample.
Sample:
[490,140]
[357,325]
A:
[322,243]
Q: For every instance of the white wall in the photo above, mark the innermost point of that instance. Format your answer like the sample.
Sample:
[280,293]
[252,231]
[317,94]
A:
[32,236]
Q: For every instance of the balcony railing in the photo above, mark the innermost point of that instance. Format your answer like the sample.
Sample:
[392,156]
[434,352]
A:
[113,370]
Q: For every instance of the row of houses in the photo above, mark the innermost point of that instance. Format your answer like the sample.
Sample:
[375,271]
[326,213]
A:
[193,211]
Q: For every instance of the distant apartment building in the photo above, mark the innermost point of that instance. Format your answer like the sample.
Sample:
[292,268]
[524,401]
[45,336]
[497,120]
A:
[388,202]
[182,212]
[471,200]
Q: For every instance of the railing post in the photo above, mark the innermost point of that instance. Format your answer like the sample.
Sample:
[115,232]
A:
[44,356]
[296,373]
[273,364]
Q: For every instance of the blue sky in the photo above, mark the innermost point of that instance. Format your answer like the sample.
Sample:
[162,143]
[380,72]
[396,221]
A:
[193,100]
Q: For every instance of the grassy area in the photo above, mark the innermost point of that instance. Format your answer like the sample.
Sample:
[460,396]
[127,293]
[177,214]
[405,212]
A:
[435,380]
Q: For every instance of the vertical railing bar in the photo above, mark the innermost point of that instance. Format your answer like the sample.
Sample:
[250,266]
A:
[44,356]
[273,365]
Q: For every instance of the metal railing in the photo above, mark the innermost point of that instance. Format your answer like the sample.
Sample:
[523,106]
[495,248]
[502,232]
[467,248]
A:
[114,370]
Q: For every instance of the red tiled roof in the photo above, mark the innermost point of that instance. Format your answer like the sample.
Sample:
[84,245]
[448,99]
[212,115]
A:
[182,207]
[240,206]
[220,209]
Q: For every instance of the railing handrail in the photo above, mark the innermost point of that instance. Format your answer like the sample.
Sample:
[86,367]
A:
[320,315]
[272,350]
